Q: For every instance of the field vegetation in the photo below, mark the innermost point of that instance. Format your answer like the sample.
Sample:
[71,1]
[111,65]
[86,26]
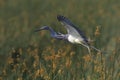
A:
[26,55]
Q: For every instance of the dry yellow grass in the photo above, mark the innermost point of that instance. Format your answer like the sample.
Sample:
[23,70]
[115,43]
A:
[25,55]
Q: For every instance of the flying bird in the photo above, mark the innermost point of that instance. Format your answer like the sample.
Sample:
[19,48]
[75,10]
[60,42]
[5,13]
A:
[74,34]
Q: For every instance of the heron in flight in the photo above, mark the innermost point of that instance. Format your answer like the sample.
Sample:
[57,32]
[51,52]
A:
[74,35]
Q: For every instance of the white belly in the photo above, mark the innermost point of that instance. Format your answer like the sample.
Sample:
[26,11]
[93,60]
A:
[73,39]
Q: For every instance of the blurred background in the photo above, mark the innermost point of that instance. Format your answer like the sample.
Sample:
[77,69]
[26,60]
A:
[19,19]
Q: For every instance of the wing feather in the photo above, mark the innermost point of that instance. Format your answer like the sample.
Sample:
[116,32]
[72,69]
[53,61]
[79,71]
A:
[71,28]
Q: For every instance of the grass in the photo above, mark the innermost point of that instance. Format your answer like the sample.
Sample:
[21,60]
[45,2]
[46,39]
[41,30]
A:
[25,55]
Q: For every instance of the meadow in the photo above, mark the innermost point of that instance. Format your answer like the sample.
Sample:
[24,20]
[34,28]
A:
[26,55]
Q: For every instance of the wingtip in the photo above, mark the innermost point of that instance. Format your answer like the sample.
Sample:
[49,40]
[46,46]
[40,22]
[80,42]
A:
[60,17]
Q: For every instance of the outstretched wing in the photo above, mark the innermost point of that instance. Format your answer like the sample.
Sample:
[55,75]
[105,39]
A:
[71,28]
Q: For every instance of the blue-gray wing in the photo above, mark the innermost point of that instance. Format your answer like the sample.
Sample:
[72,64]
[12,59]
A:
[71,28]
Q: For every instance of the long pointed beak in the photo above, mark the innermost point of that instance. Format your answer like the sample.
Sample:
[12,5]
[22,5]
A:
[39,29]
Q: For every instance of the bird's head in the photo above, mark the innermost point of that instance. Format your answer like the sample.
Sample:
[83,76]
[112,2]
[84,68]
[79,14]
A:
[42,28]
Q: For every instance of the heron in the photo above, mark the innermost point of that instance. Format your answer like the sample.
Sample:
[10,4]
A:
[74,34]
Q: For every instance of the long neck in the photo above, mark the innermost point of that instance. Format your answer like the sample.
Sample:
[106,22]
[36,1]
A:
[52,32]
